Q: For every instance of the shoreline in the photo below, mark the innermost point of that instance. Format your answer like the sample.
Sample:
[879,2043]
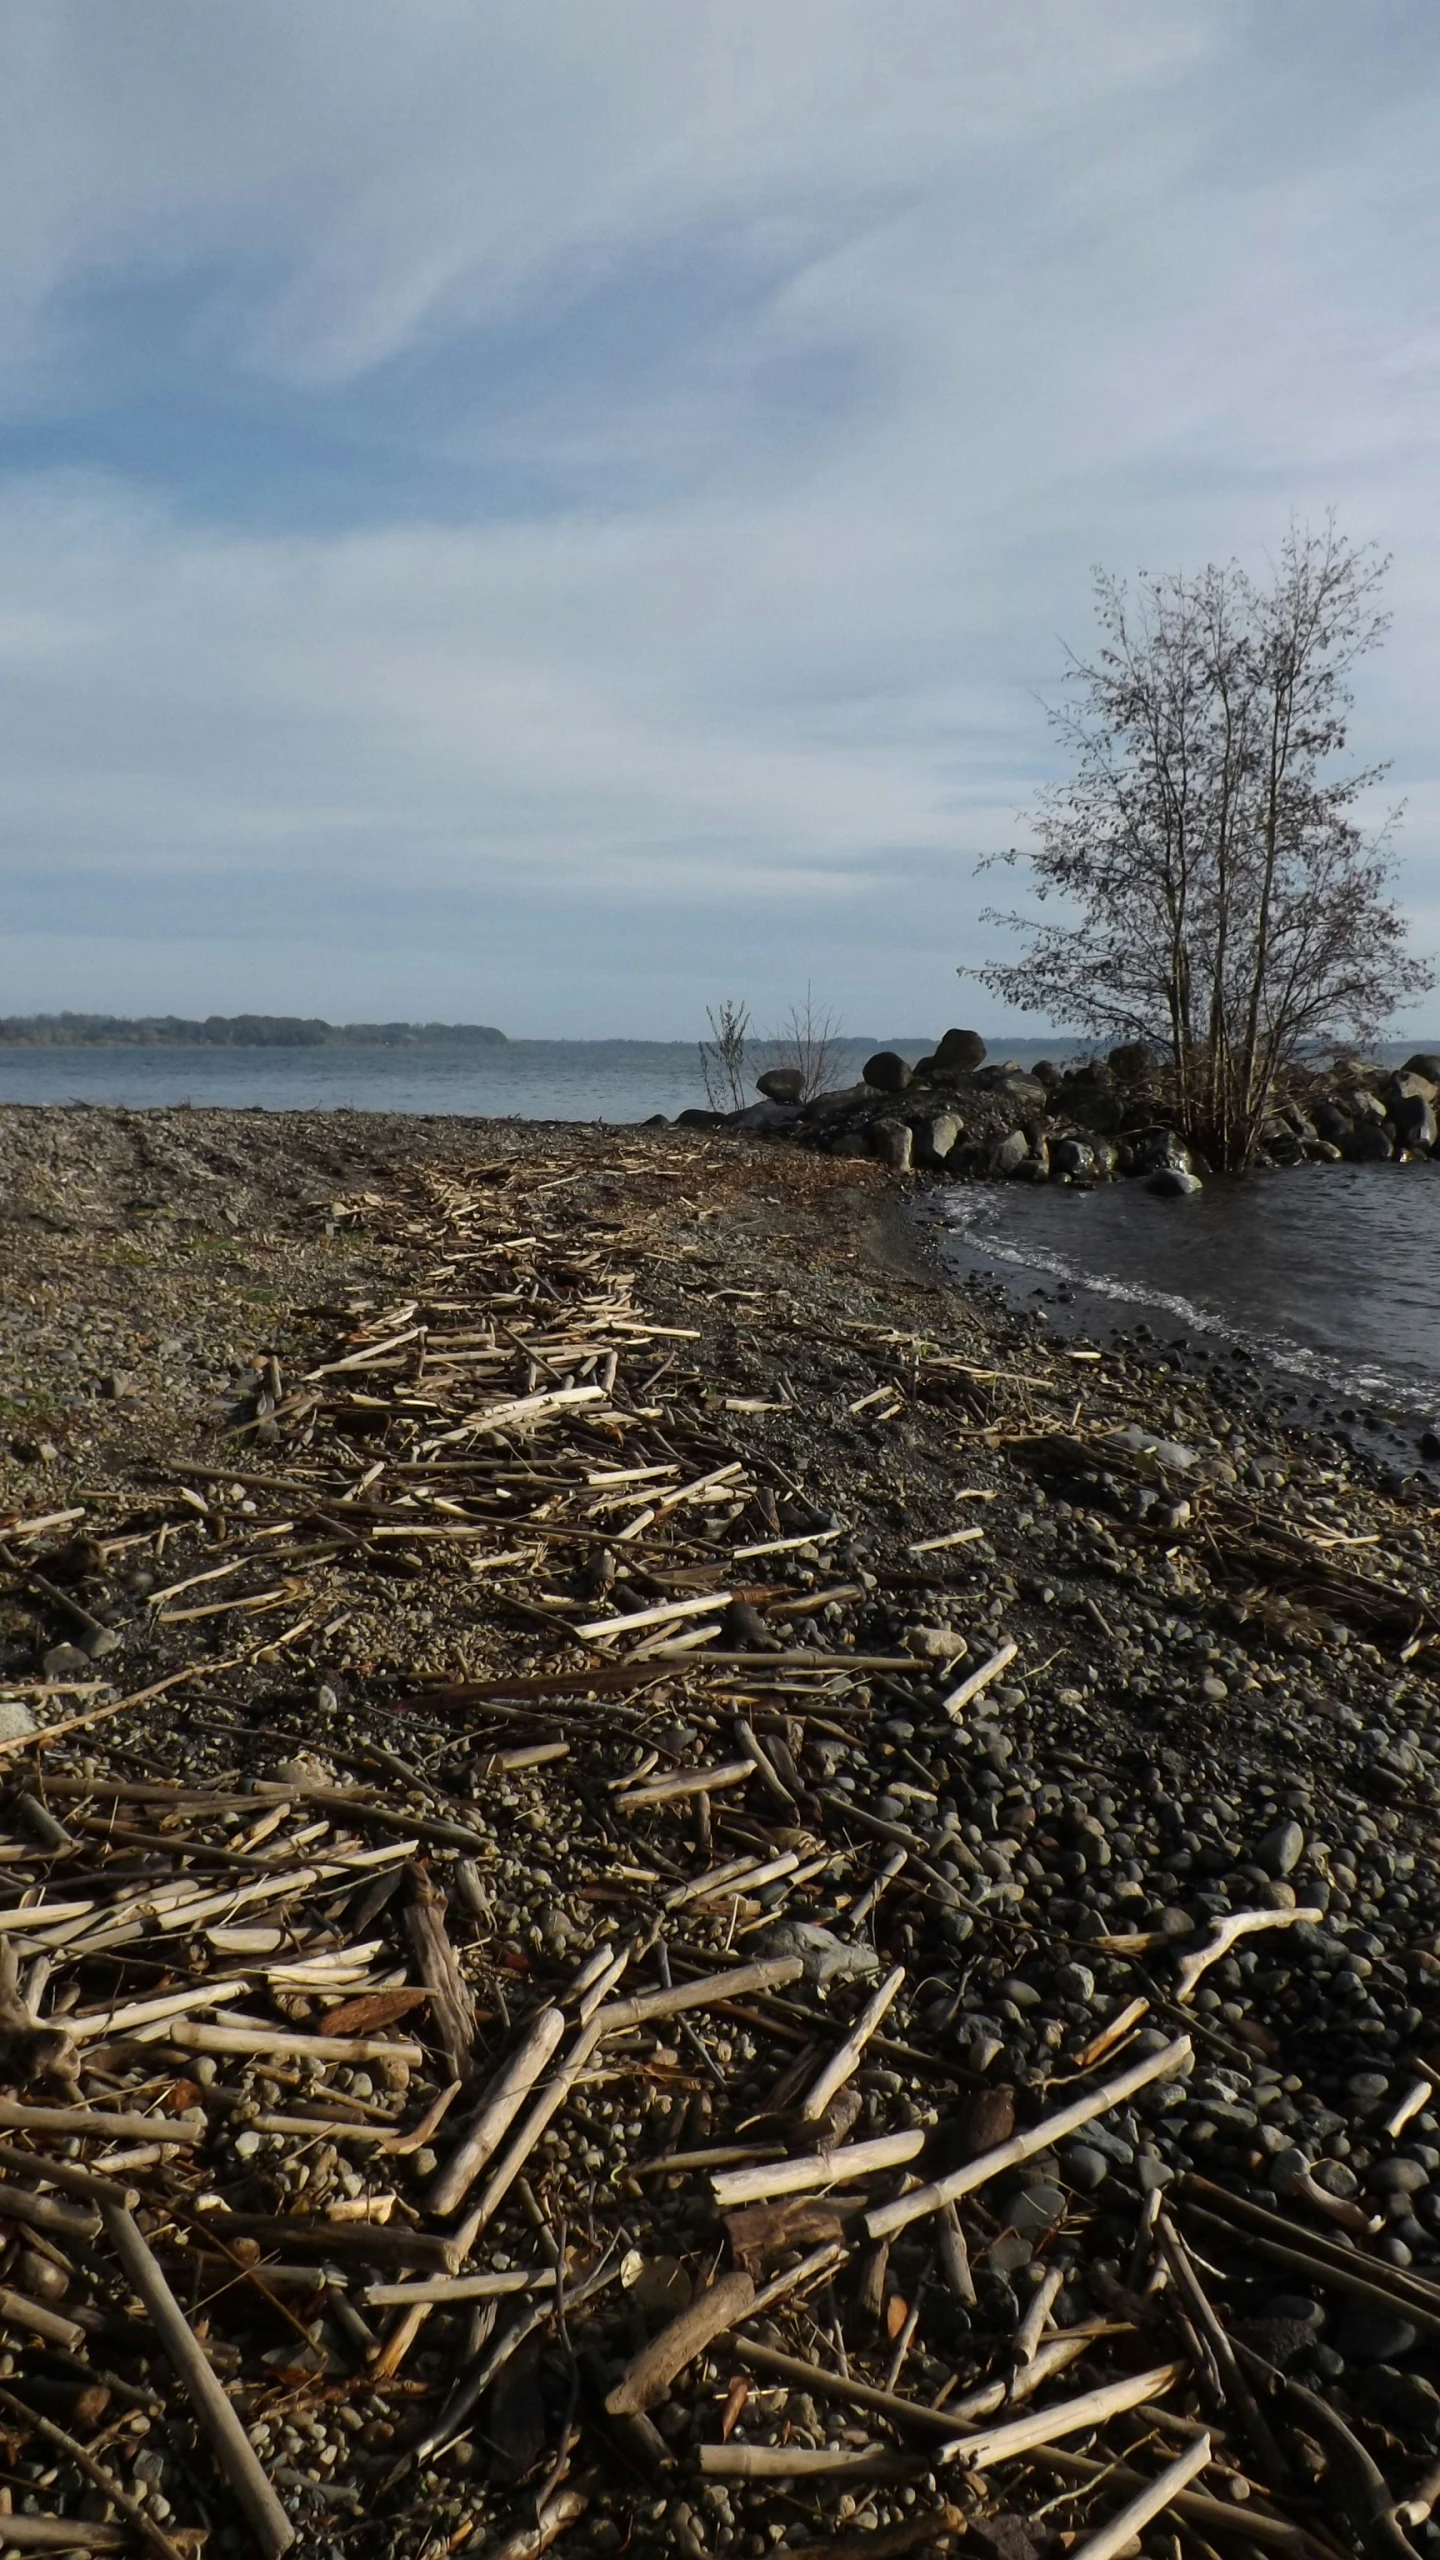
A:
[1217,1702]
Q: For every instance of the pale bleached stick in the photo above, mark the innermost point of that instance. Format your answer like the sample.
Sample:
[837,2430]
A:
[1046,2426]
[94,2124]
[1027,2336]
[889,2218]
[819,2262]
[499,2106]
[232,2447]
[1236,1924]
[552,2096]
[477,2288]
[705,1992]
[1418,2095]
[959,1699]
[1051,2356]
[193,2037]
[816,2169]
[847,2058]
[685,1782]
[809,2462]
[655,1617]
[1149,2503]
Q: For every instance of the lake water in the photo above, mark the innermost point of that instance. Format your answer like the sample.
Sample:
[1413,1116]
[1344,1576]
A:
[1330,1273]
[611,1080]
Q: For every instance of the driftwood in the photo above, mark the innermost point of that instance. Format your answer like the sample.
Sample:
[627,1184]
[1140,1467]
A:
[232,2448]
[1022,2146]
[1227,1933]
[1048,2426]
[498,2108]
[847,2060]
[1145,2505]
[648,2378]
[817,2169]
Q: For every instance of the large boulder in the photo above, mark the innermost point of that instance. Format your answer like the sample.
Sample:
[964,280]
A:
[695,1118]
[770,1119]
[781,1084]
[1016,1085]
[1072,1158]
[1132,1062]
[959,1051]
[1009,1153]
[1154,1148]
[1414,1120]
[1369,1143]
[1333,1123]
[1424,1063]
[823,1107]
[1172,1182]
[935,1134]
[886,1071]
[890,1141]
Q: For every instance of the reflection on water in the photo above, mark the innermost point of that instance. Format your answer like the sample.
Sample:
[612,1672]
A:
[1333,1271]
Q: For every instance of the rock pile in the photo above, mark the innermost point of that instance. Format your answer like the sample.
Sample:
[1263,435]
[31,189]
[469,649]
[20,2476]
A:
[957,1113]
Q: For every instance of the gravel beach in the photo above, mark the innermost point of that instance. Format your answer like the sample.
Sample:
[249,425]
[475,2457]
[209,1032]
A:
[611,1578]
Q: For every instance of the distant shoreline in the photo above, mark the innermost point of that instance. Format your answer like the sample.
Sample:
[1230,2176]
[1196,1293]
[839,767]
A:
[227,1031]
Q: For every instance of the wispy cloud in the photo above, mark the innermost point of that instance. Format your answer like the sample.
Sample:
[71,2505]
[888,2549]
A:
[544,513]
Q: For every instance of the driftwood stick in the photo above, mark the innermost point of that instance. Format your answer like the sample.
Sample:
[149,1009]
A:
[1235,1925]
[267,2518]
[817,2378]
[1210,2516]
[959,1699]
[17,2311]
[685,1782]
[955,2256]
[1359,2483]
[498,2107]
[66,2534]
[452,2006]
[1044,2426]
[888,2218]
[807,2462]
[193,2037]
[707,1992]
[134,2514]
[1027,2336]
[1147,2503]
[818,2263]
[562,2508]
[69,2176]
[1346,2271]
[847,2059]
[552,2096]
[648,2378]
[1232,2381]
[817,2169]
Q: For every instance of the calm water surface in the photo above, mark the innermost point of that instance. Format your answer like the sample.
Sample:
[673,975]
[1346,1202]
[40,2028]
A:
[1330,1272]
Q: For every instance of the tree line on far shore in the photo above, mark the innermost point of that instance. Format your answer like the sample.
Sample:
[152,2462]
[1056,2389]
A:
[224,1031]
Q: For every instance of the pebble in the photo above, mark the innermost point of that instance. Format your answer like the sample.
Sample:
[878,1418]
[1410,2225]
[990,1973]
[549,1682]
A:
[1279,1852]
[1366,2336]
[1084,2166]
[16,1720]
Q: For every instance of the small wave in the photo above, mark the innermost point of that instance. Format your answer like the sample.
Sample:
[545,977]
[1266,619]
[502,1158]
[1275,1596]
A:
[978,1219]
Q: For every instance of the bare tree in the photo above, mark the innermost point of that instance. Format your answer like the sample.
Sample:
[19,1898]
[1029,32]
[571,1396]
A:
[723,1055]
[1224,902]
[808,1040]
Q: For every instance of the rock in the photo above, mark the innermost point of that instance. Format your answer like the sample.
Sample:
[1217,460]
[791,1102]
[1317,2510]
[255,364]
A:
[1397,2176]
[781,1084]
[1172,1182]
[935,1135]
[65,1662]
[1424,1064]
[1015,1085]
[1084,2166]
[16,1721]
[768,1118]
[1370,1144]
[1037,2209]
[886,1072]
[1367,2336]
[890,1140]
[1430,1446]
[1414,1119]
[1075,1982]
[936,1644]
[98,1642]
[1132,1062]
[697,1119]
[1071,1156]
[1279,1851]
[960,1051]
[825,1957]
[823,1107]
[1008,1154]
[1403,2401]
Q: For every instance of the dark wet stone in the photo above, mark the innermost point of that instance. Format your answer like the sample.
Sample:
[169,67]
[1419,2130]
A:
[1367,2336]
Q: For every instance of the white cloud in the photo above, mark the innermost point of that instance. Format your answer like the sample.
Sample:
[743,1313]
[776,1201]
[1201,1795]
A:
[998,296]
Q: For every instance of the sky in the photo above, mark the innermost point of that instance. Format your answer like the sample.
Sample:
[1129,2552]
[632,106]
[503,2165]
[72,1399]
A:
[553,512]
